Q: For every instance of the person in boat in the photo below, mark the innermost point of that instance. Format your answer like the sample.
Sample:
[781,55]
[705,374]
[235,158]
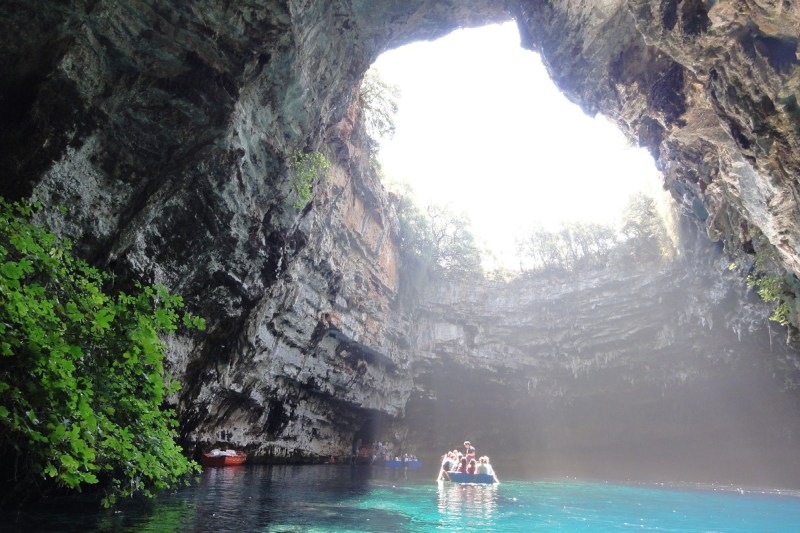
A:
[448,465]
[489,470]
[472,466]
[462,465]
[381,455]
[457,457]
[469,450]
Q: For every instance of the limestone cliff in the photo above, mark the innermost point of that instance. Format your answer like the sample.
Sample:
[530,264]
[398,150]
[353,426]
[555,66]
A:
[664,372]
[709,87]
[165,128]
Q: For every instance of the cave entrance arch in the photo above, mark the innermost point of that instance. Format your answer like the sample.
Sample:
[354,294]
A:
[482,127]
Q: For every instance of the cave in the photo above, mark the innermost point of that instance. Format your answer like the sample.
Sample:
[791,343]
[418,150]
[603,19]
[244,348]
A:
[166,131]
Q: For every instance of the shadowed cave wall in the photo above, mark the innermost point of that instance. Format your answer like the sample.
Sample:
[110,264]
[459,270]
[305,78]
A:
[165,129]
[667,372]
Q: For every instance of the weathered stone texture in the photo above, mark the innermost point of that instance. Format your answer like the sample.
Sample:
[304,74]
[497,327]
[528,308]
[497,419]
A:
[710,88]
[165,128]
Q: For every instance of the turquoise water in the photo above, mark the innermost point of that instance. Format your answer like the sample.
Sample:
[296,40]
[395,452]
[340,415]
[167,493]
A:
[342,499]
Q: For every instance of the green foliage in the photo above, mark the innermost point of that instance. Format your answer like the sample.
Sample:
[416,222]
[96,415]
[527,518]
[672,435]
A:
[437,241]
[415,244]
[82,382]
[306,169]
[772,289]
[455,252]
[579,247]
[574,247]
[773,284]
[646,237]
[379,102]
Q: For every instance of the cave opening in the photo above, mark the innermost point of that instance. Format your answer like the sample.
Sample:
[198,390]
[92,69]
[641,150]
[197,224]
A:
[482,129]
[370,429]
[508,148]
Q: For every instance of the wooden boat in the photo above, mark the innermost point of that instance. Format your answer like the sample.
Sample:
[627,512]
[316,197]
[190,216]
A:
[225,458]
[462,477]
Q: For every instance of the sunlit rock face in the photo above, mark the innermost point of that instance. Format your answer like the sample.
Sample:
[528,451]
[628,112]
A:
[711,88]
[165,129]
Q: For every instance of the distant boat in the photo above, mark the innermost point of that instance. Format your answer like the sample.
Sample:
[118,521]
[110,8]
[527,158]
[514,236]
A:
[413,464]
[463,477]
[362,459]
[223,458]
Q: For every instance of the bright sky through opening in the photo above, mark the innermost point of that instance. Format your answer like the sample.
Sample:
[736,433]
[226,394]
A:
[482,128]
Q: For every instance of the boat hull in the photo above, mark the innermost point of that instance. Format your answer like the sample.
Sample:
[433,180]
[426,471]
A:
[223,460]
[461,477]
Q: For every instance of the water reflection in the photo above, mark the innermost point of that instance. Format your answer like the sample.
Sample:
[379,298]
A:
[464,501]
[246,498]
[312,499]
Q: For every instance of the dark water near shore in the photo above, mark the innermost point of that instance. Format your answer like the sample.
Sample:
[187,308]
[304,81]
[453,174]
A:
[350,499]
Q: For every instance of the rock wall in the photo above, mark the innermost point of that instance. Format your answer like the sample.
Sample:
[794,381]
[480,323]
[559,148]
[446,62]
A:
[165,128]
[709,87]
[669,372]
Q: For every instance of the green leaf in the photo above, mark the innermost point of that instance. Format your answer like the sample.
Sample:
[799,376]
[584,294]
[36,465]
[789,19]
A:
[102,319]
[30,415]
[11,270]
[73,313]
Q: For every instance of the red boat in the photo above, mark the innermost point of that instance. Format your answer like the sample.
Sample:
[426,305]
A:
[223,458]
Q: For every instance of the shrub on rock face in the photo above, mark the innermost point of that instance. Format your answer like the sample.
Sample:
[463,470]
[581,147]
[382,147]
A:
[82,382]
[306,169]
[774,284]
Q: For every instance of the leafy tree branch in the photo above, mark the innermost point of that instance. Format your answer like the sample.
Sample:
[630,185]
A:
[437,241]
[379,100]
[82,380]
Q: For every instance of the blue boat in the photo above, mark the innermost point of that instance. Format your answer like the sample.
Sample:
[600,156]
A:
[462,477]
[399,463]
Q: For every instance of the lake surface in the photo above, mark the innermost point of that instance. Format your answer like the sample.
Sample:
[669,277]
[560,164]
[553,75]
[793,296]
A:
[329,498]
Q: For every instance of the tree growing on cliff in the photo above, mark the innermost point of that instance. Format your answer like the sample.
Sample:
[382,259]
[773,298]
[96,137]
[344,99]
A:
[82,381]
[379,101]
[455,252]
[574,247]
[436,241]
[642,239]
[645,235]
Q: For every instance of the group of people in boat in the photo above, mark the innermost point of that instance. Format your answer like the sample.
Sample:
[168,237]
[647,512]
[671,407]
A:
[466,462]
